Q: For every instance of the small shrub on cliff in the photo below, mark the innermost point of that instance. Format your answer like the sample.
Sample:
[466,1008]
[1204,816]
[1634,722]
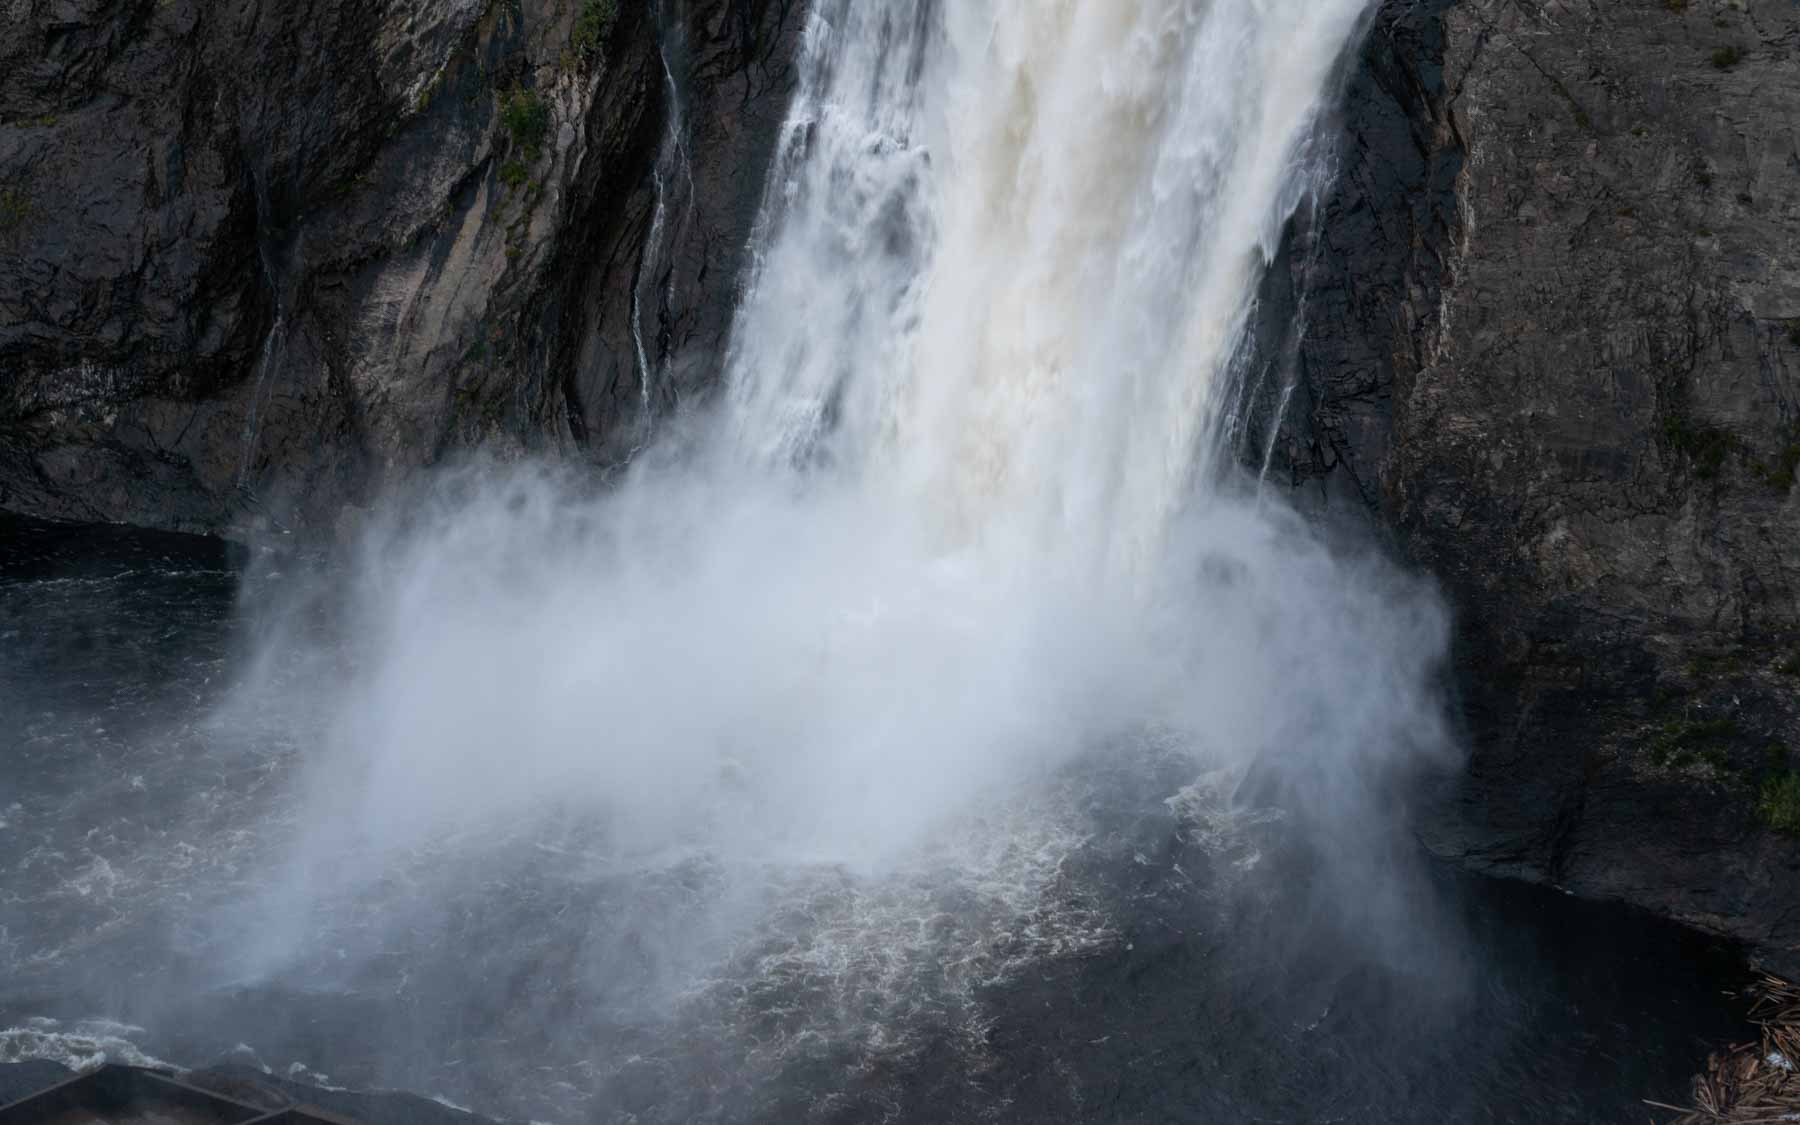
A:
[527,118]
[513,173]
[1779,805]
[1684,742]
[1708,447]
[1726,57]
[1704,446]
[593,27]
[14,208]
[1781,472]
[1713,665]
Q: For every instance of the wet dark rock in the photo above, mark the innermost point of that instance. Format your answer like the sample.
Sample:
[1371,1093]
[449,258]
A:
[257,261]
[272,1092]
[1552,346]
[20,1080]
[251,1087]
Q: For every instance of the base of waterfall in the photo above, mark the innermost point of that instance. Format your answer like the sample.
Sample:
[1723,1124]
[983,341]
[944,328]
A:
[1127,943]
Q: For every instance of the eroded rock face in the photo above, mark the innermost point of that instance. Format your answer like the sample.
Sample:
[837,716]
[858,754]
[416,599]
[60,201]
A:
[1555,346]
[256,259]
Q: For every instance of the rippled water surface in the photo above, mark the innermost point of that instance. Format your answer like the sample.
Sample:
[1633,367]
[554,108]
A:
[1173,960]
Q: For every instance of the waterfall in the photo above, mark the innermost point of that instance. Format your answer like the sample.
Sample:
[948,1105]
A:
[962,523]
[1012,247]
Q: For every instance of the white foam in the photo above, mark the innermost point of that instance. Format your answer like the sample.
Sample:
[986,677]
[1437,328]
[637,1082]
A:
[81,1045]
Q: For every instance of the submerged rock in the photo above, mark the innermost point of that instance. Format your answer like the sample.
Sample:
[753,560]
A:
[22,1079]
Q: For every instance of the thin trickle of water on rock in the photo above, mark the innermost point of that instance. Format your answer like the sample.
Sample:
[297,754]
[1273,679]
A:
[668,175]
[274,345]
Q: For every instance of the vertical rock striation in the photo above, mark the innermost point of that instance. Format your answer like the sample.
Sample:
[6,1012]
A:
[256,259]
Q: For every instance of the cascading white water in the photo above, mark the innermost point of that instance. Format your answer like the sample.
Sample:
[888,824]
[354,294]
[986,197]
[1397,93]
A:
[1015,247]
[959,520]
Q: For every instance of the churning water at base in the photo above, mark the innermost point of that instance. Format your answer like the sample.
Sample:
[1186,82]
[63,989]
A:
[938,729]
[1185,961]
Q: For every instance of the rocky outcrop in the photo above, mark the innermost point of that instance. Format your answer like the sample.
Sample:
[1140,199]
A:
[1554,343]
[20,1080]
[255,259]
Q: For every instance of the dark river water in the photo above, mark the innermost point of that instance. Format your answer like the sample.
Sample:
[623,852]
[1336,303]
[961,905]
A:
[1182,964]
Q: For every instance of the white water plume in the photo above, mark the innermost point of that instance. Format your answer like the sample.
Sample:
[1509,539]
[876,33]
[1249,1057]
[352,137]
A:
[958,520]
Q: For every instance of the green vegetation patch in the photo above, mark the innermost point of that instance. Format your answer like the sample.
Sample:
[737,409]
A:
[526,117]
[15,208]
[430,92]
[1727,57]
[1779,803]
[514,173]
[1707,447]
[1780,472]
[1712,665]
[594,26]
[1687,742]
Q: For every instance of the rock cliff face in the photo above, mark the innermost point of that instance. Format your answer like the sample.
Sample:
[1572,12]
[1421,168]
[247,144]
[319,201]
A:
[1554,344]
[255,258]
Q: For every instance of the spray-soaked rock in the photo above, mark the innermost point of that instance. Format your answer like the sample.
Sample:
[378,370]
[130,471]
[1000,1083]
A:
[1552,342]
[255,260]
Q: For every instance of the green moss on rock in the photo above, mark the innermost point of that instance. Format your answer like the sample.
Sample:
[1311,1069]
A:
[1779,804]
[594,26]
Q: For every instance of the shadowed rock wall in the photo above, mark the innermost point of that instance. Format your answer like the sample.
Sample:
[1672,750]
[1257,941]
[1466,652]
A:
[1554,345]
[258,258]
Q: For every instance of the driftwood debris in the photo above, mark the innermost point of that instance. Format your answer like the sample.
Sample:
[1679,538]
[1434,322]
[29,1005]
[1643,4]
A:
[1753,1083]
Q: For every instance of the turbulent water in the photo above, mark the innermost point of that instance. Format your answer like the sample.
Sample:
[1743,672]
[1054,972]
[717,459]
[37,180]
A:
[939,726]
